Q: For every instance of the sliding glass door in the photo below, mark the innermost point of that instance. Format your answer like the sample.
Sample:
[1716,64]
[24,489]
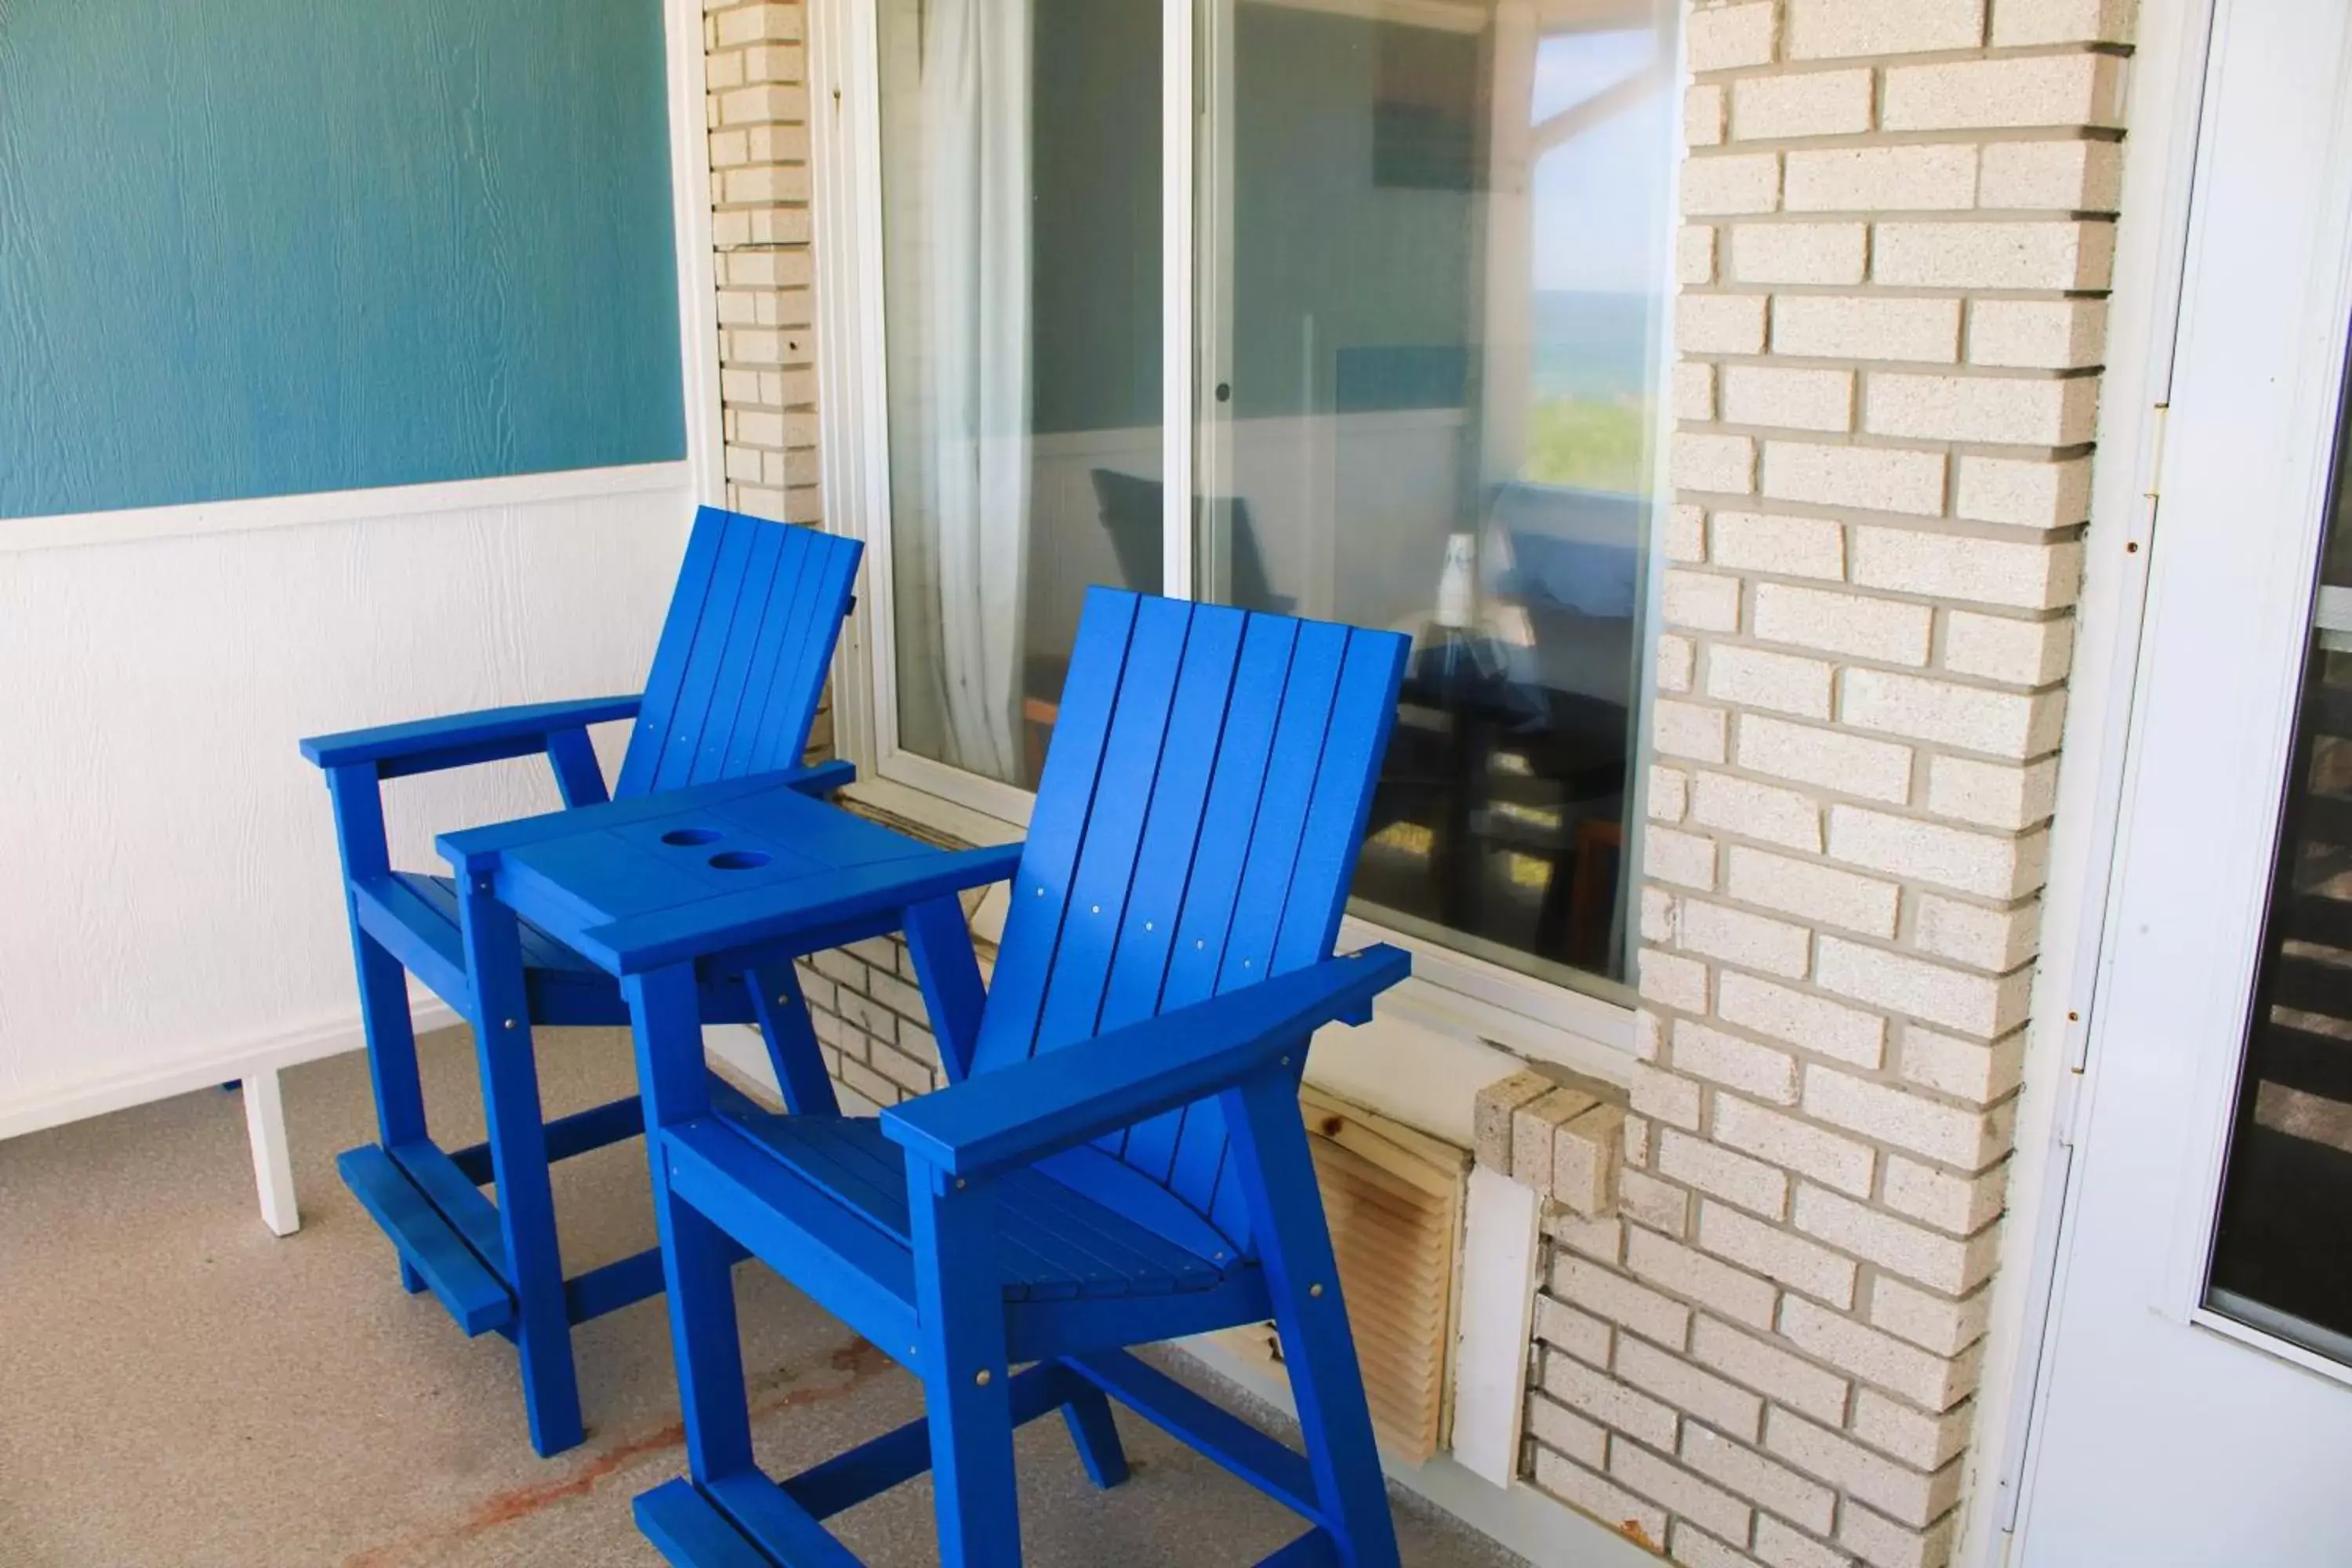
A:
[1349,309]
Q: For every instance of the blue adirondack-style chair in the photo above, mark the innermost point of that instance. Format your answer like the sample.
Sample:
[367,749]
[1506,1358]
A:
[1119,1158]
[734,690]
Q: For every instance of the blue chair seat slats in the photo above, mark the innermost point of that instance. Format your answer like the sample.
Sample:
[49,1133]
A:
[732,693]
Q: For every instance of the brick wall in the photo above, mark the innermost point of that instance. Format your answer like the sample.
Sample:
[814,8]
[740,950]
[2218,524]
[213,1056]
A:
[1897,232]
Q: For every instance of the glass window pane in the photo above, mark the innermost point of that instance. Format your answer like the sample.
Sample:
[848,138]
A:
[2280,1261]
[1432,289]
[1020,296]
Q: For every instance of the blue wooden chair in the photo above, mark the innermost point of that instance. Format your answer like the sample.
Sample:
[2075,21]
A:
[734,690]
[1119,1158]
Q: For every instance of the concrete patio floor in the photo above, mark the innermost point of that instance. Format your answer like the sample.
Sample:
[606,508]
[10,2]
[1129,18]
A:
[180,1389]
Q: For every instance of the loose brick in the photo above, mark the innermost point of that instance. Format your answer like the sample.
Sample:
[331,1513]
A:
[1804,103]
[1724,1173]
[2005,723]
[1660,1206]
[1716,1286]
[1580,1334]
[1705,601]
[1685,859]
[1883,1543]
[1685,533]
[1877,478]
[1780,682]
[1904,1494]
[1621,1509]
[2063,177]
[1729,185]
[1491,1113]
[1724,38]
[1790,399]
[1995,794]
[1757,811]
[757,23]
[2039,334]
[1602,1240]
[1777,1255]
[1682,1492]
[1879,770]
[1958,1204]
[2075,254]
[1814,1021]
[1806,1148]
[1926,178]
[1749,941]
[1673,1100]
[2023,22]
[1703,107]
[1556,1426]
[1972,1004]
[1757,1478]
[1686,730]
[1585,1161]
[1658,1319]
[1887,630]
[1822,894]
[1719,323]
[1677,662]
[1669,793]
[1657,915]
[1534,1126]
[1999,647]
[1917,1439]
[1983,95]
[1792,546]
[1822,253]
[1725,464]
[1993,865]
[1964,1069]
[1740,1064]
[1691,1390]
[1907,1249]
[1993,410]
[1929,1320]
[1766,1367]
[1834,326]
[1996,940]
[1936,1381]
[1820,29]
[2029,492]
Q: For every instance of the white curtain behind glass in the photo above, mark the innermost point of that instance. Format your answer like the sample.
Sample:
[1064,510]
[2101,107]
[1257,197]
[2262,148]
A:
[959,399]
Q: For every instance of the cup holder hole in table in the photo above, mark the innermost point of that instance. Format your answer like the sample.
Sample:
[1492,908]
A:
[684,835]
[737,860]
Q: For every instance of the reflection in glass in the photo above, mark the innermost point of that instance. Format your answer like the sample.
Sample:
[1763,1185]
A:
[2279,1257]
[1022,300]
[1430,281]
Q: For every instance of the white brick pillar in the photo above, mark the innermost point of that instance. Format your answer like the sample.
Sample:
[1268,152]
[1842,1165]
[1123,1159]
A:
[1899,227]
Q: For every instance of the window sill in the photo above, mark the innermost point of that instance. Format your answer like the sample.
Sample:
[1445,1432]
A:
[1451,994]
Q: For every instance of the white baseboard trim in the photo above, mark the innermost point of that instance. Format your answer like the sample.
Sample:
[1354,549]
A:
[327,1037]
[67,529]
[1539,1528]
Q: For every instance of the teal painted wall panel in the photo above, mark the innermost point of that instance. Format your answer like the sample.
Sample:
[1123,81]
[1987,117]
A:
[254,248]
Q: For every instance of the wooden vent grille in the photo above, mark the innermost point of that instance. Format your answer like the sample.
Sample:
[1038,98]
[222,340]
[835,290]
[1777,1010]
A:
[1394,1197]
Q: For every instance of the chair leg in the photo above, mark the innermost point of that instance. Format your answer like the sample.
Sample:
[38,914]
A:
[790,1039]
[273,1165]
[1271,1159]
[391,1055]
[1088,1416]
[517,1140]
[960,1302]
[696,1262]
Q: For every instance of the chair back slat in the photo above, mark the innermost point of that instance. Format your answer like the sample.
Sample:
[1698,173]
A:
[1195,831]
[741,662]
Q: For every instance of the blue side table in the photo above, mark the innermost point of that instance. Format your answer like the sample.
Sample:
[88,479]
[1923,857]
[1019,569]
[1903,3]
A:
[716,881]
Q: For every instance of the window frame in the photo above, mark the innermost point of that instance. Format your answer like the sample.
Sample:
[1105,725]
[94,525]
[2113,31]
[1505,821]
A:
[1587,1027]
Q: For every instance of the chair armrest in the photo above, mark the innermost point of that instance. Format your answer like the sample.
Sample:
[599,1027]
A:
[768,914]
[1060,1098]
[427,745]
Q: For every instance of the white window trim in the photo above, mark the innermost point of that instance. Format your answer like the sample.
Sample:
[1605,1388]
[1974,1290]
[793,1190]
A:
[1452,992]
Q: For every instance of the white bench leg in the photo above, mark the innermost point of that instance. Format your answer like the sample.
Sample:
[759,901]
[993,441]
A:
[273,1165]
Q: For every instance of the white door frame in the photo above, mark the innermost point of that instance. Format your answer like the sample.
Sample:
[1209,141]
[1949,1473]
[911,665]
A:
[2159,245]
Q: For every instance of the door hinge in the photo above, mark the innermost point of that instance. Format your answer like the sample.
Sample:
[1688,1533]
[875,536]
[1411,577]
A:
[2163,420]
